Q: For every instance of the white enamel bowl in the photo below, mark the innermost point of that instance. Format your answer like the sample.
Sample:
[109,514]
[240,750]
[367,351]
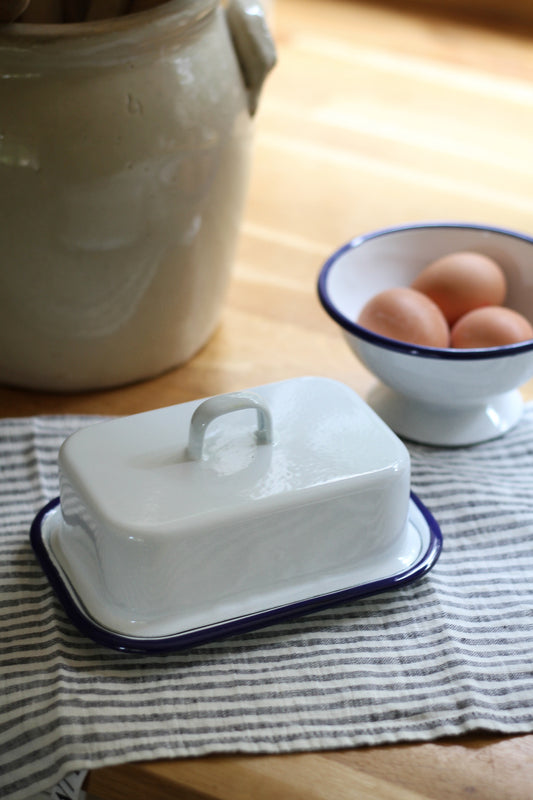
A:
[435,396]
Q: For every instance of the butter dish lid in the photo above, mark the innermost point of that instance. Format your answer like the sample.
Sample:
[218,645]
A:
[170,467]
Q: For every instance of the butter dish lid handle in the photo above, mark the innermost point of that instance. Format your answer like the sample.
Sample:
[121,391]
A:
[221,404]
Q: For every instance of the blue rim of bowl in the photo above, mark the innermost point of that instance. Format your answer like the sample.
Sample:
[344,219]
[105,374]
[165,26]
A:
[90,628]
[448,354]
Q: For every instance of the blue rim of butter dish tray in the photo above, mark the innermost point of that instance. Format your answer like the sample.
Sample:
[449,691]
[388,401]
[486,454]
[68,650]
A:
[90,627]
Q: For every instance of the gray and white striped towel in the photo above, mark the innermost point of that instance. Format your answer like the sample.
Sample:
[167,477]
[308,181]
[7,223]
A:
[446,655]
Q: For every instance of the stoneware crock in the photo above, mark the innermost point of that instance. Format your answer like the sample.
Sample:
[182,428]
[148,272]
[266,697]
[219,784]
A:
[124,153]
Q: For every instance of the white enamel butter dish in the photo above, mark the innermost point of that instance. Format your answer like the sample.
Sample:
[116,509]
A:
[177,525]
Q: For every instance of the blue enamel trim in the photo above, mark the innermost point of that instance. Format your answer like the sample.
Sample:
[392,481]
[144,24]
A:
[403,347]
[193,638]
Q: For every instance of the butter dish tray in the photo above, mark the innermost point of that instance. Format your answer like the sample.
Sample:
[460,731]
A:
[213,517]
[423,527]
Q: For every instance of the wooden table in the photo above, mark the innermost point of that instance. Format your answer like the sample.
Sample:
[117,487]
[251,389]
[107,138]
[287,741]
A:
[373,117]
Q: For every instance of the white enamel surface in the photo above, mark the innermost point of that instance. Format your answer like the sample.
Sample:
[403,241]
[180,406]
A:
[217,406]
[151,533]
[447,426]
[89,591]
[451,394]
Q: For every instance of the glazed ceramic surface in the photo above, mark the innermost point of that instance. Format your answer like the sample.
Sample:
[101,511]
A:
[435,396]
[210,510]
[124,153]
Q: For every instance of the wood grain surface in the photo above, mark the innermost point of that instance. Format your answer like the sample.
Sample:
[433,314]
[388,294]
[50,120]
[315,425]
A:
[487,768]
[374,116]
[516,14]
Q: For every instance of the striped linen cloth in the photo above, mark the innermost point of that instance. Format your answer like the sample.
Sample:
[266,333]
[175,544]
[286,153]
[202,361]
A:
[448,654]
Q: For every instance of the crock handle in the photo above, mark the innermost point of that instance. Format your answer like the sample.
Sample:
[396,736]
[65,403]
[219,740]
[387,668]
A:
[253,43]
[214,407]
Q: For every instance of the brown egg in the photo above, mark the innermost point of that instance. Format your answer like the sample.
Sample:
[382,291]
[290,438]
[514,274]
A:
[406,315]
[462,281]
[491,326]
